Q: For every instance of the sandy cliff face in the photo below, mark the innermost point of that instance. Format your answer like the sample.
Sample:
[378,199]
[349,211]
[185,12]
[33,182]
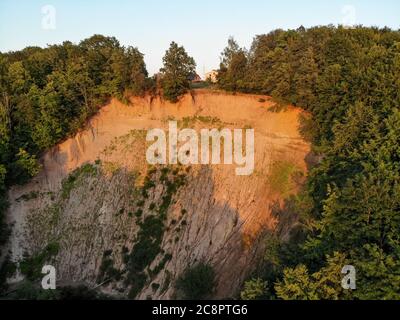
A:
[96,193]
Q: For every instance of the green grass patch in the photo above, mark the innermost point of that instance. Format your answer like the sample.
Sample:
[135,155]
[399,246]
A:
[189,121]
[280,178]
[72,181]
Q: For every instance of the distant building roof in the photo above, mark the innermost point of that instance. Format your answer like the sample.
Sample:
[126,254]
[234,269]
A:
[194,77]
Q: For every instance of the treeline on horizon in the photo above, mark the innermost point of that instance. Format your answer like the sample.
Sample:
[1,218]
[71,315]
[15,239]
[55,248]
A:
[349,212]
[348,80]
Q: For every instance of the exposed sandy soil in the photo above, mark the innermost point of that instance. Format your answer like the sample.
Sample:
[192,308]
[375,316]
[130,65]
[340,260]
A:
[226,214]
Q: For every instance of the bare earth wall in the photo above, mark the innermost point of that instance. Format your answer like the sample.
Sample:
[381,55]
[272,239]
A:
[216,217]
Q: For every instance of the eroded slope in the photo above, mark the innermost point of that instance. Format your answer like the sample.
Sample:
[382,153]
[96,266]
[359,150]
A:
[116,221]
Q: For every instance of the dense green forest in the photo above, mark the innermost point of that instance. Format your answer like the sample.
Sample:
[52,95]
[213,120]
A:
[48,94]
[348,79]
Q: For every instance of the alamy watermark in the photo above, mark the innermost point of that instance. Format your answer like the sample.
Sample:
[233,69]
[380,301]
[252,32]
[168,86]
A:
[183,147]
[349,16]
[49,17]
[349,280]
[49,280]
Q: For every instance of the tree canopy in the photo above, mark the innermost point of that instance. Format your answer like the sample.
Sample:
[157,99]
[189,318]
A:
[348,79]
[178,67]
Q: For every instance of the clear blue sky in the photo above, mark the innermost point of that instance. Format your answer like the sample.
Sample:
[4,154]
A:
[203,26]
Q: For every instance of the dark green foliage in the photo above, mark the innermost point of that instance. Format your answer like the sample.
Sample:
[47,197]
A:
[107,253]
[7,269]
[138,213]
[140,203]
[81,293]
[148,245]
[29,290]
[167,281]
[26,166]
[322,69]
[196,283]
[149,238]
[107,270]
[233,67]
[148,184]
[4,229]
[178,67]
[29,196]
[137,281]
[155,286]
[348,79]
[167,257]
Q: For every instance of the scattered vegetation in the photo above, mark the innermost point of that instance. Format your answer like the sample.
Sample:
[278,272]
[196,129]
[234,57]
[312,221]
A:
[75,177]
[167,257]
[31,267]
[110,168]
[187,122]
[139,213]
[29,196]
[155,286]
[107,270]
[152,227]
[28,290]
[7,269]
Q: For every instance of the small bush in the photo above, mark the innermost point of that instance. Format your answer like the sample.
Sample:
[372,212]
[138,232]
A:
[140,203]
[155,286]
[139,213]
[196,283]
